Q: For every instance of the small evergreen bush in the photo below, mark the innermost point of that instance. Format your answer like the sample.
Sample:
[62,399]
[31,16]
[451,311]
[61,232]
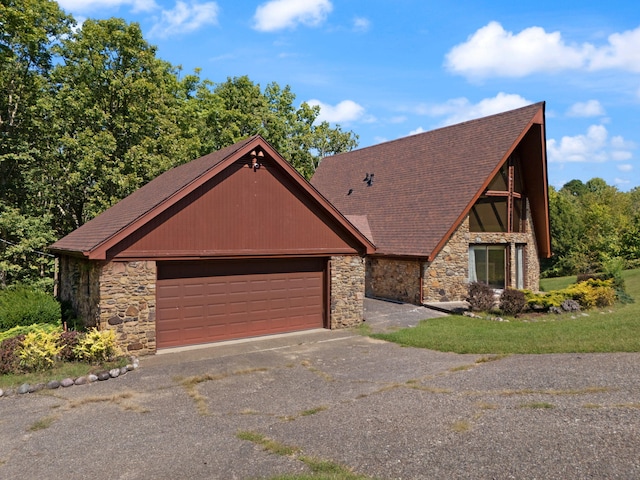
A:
[480,297]
[22,305]
[512,301]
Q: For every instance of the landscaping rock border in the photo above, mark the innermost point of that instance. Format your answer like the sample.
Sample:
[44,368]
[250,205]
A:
[68,382]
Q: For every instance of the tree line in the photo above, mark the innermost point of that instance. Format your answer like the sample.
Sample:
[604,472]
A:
[90,113]
[592,225]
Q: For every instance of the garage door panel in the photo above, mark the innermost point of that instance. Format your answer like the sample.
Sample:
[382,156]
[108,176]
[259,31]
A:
[236,300]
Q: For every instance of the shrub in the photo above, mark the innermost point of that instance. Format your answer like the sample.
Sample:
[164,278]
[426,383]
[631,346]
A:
[480,297]
[97,346]
[68,341]
[21,305]
[592,293]
[544,300]
[24,329]
[512,301]
[9,361]
[39,350]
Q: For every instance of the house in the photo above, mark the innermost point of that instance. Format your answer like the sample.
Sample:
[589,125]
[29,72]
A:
[468,202]
[234,244]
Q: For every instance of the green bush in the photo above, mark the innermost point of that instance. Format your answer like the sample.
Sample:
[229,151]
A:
[21,305]
[97,346]
[480,297]
[512,301]
[39,350]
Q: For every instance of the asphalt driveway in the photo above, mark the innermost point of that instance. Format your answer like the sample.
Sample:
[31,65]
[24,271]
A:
[382,410]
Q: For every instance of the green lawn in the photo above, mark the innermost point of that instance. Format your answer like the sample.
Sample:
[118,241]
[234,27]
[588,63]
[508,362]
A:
[615,329]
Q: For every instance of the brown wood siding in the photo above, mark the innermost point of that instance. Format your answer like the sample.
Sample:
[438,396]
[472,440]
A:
[241,211]
[200,302]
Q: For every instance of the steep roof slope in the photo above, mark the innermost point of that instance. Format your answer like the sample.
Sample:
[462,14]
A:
[94,238]
[424,185]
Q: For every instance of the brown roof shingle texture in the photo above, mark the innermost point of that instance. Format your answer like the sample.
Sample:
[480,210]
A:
[143,200]
[423,183]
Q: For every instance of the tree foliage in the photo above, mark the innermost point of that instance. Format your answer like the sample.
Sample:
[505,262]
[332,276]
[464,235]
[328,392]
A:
[88,115]
[591,224]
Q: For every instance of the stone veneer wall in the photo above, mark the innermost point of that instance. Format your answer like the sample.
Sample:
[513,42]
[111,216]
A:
[128,304]
[532,262]
[394,279]
[447,276]
[347,291]
[79,284]
[445,279]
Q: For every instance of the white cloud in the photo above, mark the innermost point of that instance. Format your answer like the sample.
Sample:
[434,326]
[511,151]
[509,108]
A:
[91,5]
[185,18]
[591,108]
[461,109]
[625,167]
[494,52]
[361,24]
[345,111]
[594,146]
[279,14]
[622,52]
[417,131]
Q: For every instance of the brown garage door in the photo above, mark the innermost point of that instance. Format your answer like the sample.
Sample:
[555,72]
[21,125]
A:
[199,302]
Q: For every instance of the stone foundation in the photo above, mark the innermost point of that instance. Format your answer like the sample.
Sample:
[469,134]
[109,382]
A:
[115,295]
[128,304]
[347,291]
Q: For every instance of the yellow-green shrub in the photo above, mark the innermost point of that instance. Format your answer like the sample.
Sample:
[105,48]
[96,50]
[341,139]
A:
[23,330]
[97,346]
[592,293]
[544,300]
[39,350]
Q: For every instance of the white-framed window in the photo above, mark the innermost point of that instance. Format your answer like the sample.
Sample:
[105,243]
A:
[487,264]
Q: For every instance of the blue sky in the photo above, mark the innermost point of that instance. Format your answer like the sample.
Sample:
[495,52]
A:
[388,69]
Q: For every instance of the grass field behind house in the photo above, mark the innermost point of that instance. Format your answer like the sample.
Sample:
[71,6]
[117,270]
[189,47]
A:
[612,329]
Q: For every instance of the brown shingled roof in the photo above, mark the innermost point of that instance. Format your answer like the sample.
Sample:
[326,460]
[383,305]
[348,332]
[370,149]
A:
[424,185]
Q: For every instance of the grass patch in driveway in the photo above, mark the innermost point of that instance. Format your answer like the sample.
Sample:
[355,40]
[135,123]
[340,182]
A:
[42,424]
[320,469]
[537,405]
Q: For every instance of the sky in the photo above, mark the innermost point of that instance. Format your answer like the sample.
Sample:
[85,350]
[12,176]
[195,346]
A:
[386,69]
